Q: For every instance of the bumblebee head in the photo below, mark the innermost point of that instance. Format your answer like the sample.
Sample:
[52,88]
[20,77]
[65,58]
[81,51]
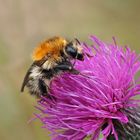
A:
[74,50]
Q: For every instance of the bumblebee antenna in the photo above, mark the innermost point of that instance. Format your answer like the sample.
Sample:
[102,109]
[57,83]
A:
[77,41]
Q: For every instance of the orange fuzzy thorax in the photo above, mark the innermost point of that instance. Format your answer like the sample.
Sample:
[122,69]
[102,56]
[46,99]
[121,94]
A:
[51,47]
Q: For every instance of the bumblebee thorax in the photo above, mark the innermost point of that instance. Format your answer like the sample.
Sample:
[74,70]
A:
[51,48]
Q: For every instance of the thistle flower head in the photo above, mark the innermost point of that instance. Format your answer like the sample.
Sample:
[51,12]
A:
[87,104]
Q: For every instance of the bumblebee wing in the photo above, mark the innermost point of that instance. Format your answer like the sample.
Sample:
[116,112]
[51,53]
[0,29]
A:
[41,62]
[26,78]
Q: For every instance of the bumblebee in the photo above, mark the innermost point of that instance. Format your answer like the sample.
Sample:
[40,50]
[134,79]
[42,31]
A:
[51,58]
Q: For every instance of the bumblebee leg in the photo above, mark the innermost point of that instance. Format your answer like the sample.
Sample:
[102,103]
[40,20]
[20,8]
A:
[42,88]
[74,71]
[63,67]
[66,66]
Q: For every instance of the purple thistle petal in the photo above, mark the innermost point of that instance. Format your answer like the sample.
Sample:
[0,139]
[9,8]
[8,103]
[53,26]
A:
[96,97]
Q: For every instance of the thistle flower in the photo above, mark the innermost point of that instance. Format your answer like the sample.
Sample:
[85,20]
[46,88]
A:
[98,100]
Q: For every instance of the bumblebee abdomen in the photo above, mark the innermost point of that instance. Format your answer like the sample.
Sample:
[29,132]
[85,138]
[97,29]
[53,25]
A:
[38,87]
[39,81]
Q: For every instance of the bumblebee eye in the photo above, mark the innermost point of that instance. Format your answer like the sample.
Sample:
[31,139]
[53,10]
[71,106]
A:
[70,50]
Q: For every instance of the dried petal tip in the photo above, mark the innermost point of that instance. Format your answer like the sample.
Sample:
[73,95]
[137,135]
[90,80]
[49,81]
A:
[99,100]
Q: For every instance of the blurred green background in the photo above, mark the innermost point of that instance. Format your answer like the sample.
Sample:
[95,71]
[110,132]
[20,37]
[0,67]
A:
[24,23]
